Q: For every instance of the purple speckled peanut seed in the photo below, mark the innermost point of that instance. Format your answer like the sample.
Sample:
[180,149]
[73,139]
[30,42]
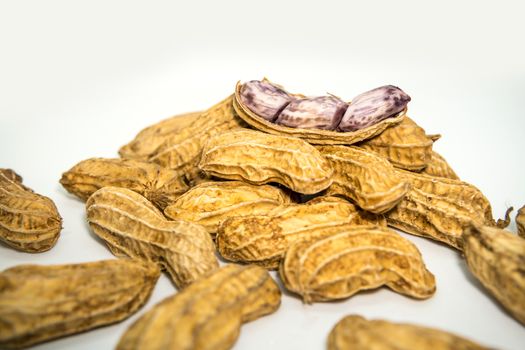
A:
[324,112]
[264,99]
[373,106]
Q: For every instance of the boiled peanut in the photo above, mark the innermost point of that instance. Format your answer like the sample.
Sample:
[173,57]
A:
[365,178]
[210,203]
[29,221]
[208,313]
[39,303]
[438,166]
[260,158]
[182,151]
[150,138]
[439,208]
[339,264]
[358,333]
[405,145]
[160,185]
[132,226]
[263,239]
[496,258]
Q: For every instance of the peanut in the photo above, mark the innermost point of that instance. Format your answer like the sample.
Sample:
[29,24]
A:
[261,121]
[260,158]
[39,303]
[496,258]
[438,166]
[160,185]
[182,151]
[210,203]
[132,226]
[439,208]
[263,239]
[29,221]
[264,98]
[150,138]
[520,221]
[339,264]
[365,178]
[358,333]
[405,145]
[208,313]
[323,112]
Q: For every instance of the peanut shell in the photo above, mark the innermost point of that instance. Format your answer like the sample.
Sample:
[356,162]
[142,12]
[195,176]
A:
[210,203]
[438,166]
[39,303]
[439,208]
[208,313]
[29,222]
[133,227]
[339,264]
[367,179]
[313,136]
[182,151]
[405,145]
[496,258]
[150,138]
[263,239]
[160,185]
[260,158]
[358,333]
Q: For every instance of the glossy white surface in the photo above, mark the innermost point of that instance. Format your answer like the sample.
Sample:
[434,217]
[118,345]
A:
[80,79]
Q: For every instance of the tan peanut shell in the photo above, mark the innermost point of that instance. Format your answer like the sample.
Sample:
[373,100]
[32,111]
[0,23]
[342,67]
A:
[263,239]
[182,151]
[496,258]
[313,136]
[339,264]
[160,185]
[367,179]
[210,203]
[150,138]
[133,227]
[438,166]
[405,145]
[520,222]
[439,208]
[208,313]
[29,221]
[357,333]
[259,158]
[39,303]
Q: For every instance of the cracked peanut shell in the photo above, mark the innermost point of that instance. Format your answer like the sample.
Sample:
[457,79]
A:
[313,136]
[150,138]
[259,158]
[210,203]
[356,332]
[439,208]
[263,239]
[405,145]
[207,314]
[29,222]
[367,179]
[159,185]
[496,257]
[39,303]
[133,227]
[182,151]
[339,264]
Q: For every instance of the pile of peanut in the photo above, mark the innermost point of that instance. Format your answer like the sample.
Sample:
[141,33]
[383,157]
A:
[269,180]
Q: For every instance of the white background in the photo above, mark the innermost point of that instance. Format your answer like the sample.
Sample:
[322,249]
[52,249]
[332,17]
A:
[80,79]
